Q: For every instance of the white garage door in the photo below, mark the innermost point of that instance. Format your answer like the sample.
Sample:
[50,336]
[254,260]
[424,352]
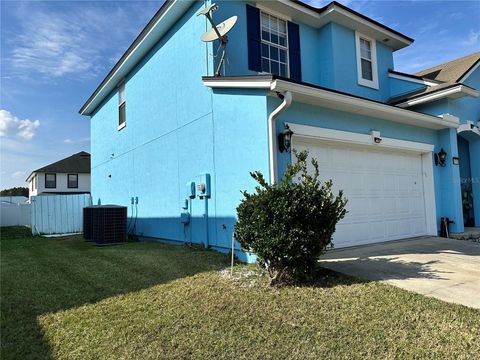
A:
[384,191]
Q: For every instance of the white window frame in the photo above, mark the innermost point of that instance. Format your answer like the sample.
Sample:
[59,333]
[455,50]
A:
[286,48]
[373,50]
[121,87]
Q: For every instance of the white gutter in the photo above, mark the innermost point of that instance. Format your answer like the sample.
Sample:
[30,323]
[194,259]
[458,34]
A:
[303,93]
[272,143]
[454,92]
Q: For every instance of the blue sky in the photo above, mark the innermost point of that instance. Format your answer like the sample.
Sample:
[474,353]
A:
[55,53]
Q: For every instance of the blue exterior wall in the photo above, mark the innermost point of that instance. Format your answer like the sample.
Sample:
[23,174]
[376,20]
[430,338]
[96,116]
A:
[466,108]
[175,133]
[399,87]
[446,180]
[178,129]
[328,54]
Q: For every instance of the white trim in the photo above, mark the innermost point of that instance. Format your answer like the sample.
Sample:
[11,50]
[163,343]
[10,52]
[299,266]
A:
[269,11]
[329,135]
[373,50]
[337,136]
[429,194]
[336,14]
[238,84]
[454,92]
[347,103]
[468,128]
[411,79]
[469,72]
[121,126]
[330,99]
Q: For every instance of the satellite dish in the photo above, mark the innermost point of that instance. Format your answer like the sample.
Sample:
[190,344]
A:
[220,30]
[217,32]
[208,9]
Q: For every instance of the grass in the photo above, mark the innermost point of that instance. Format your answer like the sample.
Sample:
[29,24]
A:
[63,298]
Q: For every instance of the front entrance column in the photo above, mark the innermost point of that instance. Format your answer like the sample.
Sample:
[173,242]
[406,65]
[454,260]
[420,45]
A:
[449,182]
[475,171]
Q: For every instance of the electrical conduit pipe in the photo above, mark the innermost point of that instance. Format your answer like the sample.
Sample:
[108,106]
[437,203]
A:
[272,143]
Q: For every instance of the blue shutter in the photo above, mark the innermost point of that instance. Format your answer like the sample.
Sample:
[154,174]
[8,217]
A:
[294,51]
[253,39]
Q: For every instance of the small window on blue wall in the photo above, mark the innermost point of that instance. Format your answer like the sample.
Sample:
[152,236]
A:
[122,103]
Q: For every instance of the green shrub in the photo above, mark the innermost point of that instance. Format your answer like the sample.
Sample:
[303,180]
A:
[290,224]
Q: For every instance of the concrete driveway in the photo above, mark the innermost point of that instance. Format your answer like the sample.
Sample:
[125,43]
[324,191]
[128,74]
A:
[448,270]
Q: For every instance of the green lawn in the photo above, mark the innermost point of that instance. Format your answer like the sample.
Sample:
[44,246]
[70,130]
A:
[63,298]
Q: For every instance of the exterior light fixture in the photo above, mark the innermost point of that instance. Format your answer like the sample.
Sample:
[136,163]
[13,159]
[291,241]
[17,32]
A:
[285,139]
[377,139]
[441,158]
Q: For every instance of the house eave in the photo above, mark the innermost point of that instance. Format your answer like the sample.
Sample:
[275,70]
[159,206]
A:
[453,92]
[340,14]
[327,98]
[162,21]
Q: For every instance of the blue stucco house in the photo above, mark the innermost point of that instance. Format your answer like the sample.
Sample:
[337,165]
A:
[176,144]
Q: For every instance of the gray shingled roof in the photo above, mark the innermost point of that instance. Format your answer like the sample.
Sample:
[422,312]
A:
[78,163]
[448,73]
[451,71]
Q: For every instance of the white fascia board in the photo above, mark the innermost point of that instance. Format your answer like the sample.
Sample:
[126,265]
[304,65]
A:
[470,72]
[398,41]
[454,92]
[338,136]
[175,10]
[411,79]
[347,103]
[238,84]
[335,14]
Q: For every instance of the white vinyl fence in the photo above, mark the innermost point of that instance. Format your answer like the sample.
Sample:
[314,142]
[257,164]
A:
[14,214]
[58,214]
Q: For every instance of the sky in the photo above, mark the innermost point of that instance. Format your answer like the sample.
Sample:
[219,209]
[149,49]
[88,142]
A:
[55,53]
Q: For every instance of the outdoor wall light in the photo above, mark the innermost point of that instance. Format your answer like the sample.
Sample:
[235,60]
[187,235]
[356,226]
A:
[285,139]
[377,139]
[441,158]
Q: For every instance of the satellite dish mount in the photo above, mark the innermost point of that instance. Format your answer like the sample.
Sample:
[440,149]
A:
[218,32]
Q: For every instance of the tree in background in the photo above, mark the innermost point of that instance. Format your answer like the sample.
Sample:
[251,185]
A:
[15,191]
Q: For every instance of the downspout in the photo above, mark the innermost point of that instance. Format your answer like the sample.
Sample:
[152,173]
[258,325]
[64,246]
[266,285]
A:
[272,139]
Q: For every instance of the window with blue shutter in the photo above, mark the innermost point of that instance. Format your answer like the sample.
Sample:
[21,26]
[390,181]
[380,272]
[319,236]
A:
[273,44]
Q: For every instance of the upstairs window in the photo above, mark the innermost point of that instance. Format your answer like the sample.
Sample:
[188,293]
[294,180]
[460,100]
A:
[122,103]
[72,181]
[274,45]
[50,181]
[366,61]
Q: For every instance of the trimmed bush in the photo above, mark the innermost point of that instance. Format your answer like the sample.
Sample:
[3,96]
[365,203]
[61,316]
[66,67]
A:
[289,225]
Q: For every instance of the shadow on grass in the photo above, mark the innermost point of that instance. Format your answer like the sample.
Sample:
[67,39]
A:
[41,276]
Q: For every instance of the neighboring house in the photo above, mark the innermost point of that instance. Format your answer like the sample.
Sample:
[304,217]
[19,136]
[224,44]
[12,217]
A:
[171,138]
[67,176]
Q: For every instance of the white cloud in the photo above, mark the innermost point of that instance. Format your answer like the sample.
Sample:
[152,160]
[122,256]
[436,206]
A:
[12,126]
[72,40]
[472,39]
[18,174]
[73,142]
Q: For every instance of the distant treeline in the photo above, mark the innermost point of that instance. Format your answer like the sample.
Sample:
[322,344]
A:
[15,191]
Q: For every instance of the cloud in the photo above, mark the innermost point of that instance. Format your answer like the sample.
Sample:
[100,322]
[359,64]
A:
[472,39]
[73,40]
[18,175]
[12,126]
[73,142]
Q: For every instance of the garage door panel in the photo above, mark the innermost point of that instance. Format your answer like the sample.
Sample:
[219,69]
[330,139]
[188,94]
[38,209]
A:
[384,191]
